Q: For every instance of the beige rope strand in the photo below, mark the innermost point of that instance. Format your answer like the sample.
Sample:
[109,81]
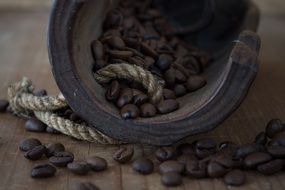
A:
[135,73]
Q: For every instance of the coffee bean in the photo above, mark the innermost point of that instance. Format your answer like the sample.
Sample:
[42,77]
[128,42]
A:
[167,106]
[261,138]
[179,76]
[36,153]
[273,127]
[180,90]
[169,77]
[271,167]
[43,171]
[113,91]
[113,20]
[206,144]
[97,163]
[124,154]
[196,169]
[183,159]
[140,99]
[143,165]
[117,54]
[228,148]
[125,97]
[171,166]
[40,93]
[29,144]
[129,111]
[52,148]
[235,178]
[148,110]
[165,153]
[80,168]
[3,105]
[136,92]
[215,170]
[84,186]
[35,125]
[279,139]
[97,50]
[195,82]
[247,149]
[149,61]
[171,179]
[52,130]
[193,65]
[256,158]
[164,61]
[148,51]
[61,159]
[116,42]
[276,151]
[224,160]
[168,94]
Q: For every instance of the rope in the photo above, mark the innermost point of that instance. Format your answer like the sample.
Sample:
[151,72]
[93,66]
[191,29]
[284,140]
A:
[135,73]
[24,103]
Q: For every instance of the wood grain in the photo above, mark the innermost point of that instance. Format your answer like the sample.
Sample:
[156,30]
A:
[23,53]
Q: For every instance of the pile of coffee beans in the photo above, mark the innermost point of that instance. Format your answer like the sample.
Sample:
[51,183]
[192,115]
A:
[137,33]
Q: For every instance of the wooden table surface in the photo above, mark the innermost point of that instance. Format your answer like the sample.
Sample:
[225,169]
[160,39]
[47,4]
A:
[23,52]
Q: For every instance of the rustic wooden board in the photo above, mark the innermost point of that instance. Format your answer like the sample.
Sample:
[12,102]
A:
[23,53]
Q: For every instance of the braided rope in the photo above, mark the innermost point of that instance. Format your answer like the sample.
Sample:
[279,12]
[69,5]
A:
[134,73]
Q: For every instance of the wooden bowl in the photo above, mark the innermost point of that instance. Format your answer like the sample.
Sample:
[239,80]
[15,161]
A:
[75,23]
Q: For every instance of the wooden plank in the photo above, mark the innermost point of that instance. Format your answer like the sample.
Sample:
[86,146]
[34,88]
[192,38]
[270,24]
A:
[23,53]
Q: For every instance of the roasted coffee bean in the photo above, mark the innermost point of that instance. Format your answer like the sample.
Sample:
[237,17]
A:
[136,61]
[97,50]
[43,171]
[215,170]
[167,106]
[61,159]
[116,42]
[183,159]
[188,149]
[117,54]
[156,71]
[271,167]
[29,144]
[256,158]
[80,168]
[35,125]
[261,138]
[125,97]
[276,151]
[136,92]
[279,139]
[169,77]
[171,166]
[196,169]
[147,110]
[206,144]
[40,93]
[84,186]
[148,51]
[180,90]
[36,153]
[113,91]
[139,54]
[224,160]
[165,153]
[52,130]
[149,61]
[140,99]
[168,94]
[193,65]
[53,148]
[164,61]
[228,148]
[130,111]
[273,127]
[143,165]
[179,76]
[3,105]
[235,178]
[97,163]
[203,153]
[195,82]
[124,154]
[171,179]
[247,149]
[114,19]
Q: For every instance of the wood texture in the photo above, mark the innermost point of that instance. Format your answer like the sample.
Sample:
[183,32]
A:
[23,53]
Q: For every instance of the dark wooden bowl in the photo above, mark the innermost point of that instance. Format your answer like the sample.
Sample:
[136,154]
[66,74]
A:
[75,23]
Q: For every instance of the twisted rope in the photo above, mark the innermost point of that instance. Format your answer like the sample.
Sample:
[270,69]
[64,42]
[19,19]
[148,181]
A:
[24,103]
[135,73]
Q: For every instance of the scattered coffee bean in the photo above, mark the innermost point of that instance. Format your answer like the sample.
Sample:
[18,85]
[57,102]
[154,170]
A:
[215,170]
[224,160]
[247,149]
[97,50]
[29,144]
[3,105]
[261,138]
[196,169]
[271,167]
[148,110]
[52,148]
[168,94]
[140,99]
[61,159]
[113,91]
[116,42]
[130,111]
[180,77]
[124,154]
[43,171]
[97,163]
[235,178]
[180,90]
[35,153]
[80,168]
[276,151]
[35,125]
[116,54]
[171,166]
[171,179]
[228,148]
[165,153]
[143,165]
[256,158]
[85,186]
[52,130]
[195,82]
[167,106]
[183,159]
[273,127]
[125,97]
[40,93]
[279,139]
[169,77]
